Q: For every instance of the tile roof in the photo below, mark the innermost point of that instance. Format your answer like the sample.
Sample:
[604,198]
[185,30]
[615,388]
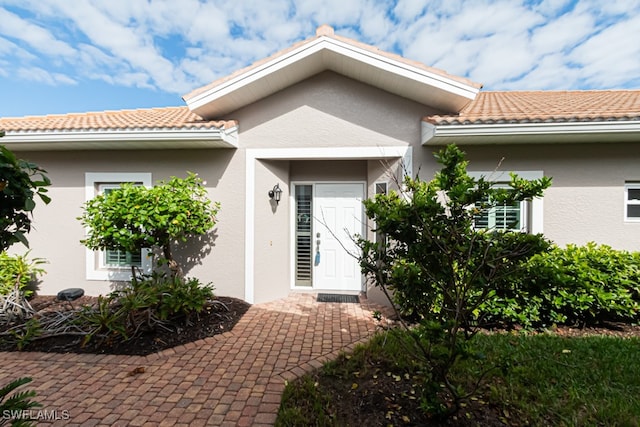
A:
[546,106]
[167,118]
[327,31]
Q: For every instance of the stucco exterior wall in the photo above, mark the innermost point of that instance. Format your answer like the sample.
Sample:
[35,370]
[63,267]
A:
[326,110]
[586,200]
[272,261]
[329,110]
[57,233]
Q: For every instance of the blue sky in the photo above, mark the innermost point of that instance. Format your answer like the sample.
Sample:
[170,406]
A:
[60,56]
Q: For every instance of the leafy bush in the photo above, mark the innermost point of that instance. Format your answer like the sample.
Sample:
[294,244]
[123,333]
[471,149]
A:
[18,270]
[439,266]
[133,217]
[20,182]
[168,296]
[145,304]
[572,285]
[15,404]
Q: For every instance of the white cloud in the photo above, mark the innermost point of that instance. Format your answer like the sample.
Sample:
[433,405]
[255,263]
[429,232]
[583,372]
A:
[408,10]
[33,35]
[611,57]
[7,47]
[177,46]
[39,75]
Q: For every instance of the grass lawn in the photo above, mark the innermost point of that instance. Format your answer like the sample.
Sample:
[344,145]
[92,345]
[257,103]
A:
[547,380]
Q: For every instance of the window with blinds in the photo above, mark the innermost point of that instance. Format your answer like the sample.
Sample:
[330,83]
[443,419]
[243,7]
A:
[303,234]
[504,217]
[115,258]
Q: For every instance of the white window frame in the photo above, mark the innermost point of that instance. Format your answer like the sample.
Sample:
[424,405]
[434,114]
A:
[523,213]
[533,215]
[378,236]
[95,266]
[102,259]
[630,186]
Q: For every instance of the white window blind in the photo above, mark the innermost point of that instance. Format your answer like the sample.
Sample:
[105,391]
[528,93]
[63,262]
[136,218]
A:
[114,258]
[503,217]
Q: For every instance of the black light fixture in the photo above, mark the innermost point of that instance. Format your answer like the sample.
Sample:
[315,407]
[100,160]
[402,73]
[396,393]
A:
[276,193]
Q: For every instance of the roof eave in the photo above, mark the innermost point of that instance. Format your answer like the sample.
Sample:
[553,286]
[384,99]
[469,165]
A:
[327,53]
[584,132]
[66,140]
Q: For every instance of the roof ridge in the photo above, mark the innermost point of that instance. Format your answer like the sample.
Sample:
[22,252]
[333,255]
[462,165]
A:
[326,31]
[174,117]
[546,106]
[87,113]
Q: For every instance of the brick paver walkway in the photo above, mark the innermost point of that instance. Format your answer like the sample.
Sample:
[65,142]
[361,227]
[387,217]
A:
[235,378]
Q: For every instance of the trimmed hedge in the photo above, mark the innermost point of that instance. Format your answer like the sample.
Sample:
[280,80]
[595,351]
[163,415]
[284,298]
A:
[573,285]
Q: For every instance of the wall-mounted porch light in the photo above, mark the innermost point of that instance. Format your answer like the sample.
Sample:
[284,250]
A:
[275,193]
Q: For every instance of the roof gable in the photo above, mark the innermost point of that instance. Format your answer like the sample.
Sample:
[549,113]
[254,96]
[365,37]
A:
[326,51]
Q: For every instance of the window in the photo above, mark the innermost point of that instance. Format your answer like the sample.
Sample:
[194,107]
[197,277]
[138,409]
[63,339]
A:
[113,258]
[113,264]
[632,201]
[523,216]
[381,188]
[304,245]
[505,217]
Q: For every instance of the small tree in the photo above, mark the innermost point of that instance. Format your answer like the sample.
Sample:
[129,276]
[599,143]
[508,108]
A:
[135,217]
[20,182]
[438,267]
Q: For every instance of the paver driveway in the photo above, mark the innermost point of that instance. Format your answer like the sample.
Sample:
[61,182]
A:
[235,378]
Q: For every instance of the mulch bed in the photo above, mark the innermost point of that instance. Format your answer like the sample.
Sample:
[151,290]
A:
[216,319]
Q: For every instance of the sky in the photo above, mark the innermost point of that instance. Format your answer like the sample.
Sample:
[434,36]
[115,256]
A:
[65,56]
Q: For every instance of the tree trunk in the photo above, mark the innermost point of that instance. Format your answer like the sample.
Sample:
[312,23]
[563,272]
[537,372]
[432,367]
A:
[176,269]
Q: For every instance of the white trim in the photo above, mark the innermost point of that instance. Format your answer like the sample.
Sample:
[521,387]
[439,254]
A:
[249,227]
[325,153]
[375,193]
[461,91]
[523,132]
[122,138]
[93,272]
[536,219]
[627,186]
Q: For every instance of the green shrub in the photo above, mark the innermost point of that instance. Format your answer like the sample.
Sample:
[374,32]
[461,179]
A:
[19,269]
[572,285]
[144,304]
[167,296]
[439,266]
[14,404]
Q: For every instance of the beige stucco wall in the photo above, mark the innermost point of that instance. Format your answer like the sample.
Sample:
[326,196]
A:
[586,200]
[330,110]
[57,232]
[326,110]
[272,232]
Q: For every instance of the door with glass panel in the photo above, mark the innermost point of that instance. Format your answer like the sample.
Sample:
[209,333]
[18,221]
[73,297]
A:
[327,216]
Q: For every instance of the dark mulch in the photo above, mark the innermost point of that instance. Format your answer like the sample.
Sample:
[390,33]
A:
[216,319]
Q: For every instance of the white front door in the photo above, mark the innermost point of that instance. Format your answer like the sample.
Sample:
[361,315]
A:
[337,218]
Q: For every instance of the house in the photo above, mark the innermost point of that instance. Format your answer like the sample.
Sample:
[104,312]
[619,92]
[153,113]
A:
[329,121]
